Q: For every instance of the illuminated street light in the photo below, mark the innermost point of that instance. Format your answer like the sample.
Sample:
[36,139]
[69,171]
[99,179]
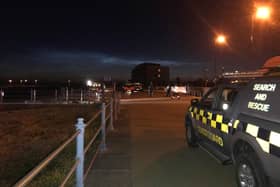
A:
[263,12]
[221,39]
[89,83]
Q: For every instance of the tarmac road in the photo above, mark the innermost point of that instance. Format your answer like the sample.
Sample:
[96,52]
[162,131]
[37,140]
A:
[148,149]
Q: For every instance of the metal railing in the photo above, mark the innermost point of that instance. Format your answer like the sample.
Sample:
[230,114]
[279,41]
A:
[38,94]
[81,149]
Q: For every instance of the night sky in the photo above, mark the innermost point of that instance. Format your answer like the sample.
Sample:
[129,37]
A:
[110,38]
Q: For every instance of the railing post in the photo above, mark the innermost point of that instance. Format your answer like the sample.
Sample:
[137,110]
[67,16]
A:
[34,95]
[66,94]
[31,94]
[55,95]
[111,113]
[103,127]
[115,106]
[118,103]
[80,126]
[81,98]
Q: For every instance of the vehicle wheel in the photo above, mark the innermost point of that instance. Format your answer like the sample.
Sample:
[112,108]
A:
[190,136]
[249,172]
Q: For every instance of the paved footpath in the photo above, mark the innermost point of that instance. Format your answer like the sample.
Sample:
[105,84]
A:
[147,149]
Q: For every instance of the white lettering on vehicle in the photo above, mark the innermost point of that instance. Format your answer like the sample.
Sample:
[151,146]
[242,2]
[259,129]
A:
[258,106]
[260,97]
[264,87]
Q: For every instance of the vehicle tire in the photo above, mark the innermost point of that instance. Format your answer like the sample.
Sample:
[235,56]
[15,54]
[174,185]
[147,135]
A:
[248,170]
[190,135]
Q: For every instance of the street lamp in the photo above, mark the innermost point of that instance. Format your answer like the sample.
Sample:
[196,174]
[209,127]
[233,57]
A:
[221,39]
[262,13]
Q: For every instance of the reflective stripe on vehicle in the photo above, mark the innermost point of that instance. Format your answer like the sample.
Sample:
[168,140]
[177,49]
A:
[268,140]
[216,121]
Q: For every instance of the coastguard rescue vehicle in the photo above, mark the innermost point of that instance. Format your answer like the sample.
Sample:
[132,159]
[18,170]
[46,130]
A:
[239,123]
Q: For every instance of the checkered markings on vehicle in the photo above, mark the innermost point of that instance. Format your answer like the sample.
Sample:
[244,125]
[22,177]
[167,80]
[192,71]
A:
[216,121]
[268,140]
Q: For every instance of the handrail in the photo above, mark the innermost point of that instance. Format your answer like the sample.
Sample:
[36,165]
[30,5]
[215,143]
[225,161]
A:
[70,173]
[25,180]
[80,149]
[91,163]
[107,105]
[107,117]
[92,140]
[93,118]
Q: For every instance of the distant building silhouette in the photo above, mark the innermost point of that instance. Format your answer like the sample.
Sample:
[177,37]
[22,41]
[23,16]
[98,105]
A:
[147,72]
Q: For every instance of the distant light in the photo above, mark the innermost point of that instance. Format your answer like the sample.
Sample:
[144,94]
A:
[21,81]
[25,80]
[89,83]
[36,81]
[129,92]
[221,39]
[10,81]
[263,12]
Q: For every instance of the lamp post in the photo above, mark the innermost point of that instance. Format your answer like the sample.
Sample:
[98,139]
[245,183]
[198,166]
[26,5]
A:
[220,41]
[89,85]
[261,13]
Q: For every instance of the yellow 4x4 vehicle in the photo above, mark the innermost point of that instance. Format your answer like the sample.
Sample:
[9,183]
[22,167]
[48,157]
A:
[240,124]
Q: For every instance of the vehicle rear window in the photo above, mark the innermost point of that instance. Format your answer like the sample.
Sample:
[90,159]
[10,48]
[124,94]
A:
[261,99]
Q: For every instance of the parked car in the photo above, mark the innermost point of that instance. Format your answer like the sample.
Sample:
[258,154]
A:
[132,87]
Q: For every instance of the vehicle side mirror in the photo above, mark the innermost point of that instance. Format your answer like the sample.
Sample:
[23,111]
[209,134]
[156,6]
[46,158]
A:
[194,101]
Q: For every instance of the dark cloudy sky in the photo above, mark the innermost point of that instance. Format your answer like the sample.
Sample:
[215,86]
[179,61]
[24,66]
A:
[110,38]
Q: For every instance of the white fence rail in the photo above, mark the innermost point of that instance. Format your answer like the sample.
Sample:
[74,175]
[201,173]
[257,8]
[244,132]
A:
[49,95]
[81,149]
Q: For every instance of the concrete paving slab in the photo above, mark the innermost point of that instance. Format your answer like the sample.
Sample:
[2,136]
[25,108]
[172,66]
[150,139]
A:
[148,149]
[109,178]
